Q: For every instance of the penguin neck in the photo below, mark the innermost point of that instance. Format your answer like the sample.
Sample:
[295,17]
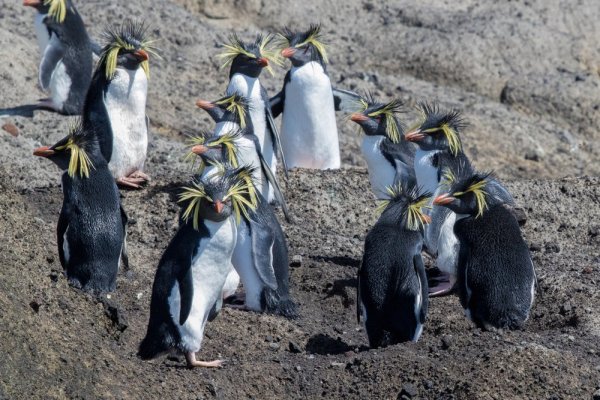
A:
[425,170]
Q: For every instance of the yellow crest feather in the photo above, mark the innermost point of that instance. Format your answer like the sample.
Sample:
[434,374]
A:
[235,107]
[58,9]
[194,195]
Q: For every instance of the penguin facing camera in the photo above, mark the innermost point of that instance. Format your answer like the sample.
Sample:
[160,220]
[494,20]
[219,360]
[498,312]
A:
[188,285]
[246,61]
[389,156]
[309,133]
[495,273]
[91,227]
[65,69]
[392,285]
[116,101]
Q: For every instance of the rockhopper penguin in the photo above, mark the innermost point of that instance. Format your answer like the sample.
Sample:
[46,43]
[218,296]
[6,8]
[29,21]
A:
[389,156]
[392,285]
[496,277]
[187,289]
[65,69]
[91,227]
[309,133]
[116,101]
[246,62]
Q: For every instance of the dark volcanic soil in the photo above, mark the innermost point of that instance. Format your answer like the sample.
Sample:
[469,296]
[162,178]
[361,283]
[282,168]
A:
[524,73]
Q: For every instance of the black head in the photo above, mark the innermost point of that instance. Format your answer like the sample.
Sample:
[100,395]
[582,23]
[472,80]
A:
[128,47]
[404,207]
[467,192]
[248,58]
[303,47]
[437,130]
[377,118]
[78,153]
[213,149]
[218,197]
[234,108]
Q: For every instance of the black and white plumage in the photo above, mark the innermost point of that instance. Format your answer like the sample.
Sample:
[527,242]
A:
[495,273]
[309,133]
[392,285]
[187,289]
[91,227]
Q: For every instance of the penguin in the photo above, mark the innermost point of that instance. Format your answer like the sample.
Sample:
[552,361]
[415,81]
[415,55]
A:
[246,62]
[231,114]
[91,231]
[496,276]
[309,135]
[389,156]
[392,285]
[187,289]
[261,253]
[116,101]
[65,69]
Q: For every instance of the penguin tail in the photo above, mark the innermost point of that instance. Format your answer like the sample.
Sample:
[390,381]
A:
[274,304]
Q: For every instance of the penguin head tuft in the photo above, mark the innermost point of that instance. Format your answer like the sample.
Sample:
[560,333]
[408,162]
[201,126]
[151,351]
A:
[238,106]
[218,196]
[211,148]
[405,206]
[249,58]
[437,130]
[72,153]
[55,9]
[466,191]
[377,118]
[127,46]
[303,47]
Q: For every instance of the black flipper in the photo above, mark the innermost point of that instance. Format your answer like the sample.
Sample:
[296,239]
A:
[420,270]
[216,308]
[277,102]
[124,254]
[186,292]
[52,55]
[266,169]
[345,100]
[262,252]
[25,110]
[274,132]
[61,228]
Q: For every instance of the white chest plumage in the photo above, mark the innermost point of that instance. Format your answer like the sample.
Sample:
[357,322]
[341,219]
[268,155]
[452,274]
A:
[210,269]
[381,172]
[447,246]
[41,32]
[427,174]
[309,134]
[125,103]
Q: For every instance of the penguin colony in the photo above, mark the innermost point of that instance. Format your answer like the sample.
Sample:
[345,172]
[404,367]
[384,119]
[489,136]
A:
[431,197]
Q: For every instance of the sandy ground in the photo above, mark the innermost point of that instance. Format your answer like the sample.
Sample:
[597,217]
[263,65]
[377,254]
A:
[525,74]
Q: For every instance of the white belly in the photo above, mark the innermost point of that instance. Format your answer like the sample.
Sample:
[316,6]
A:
[381,172]
[309,131]
[41,32]
[417,310]
[125,102]
[210,269]
[247,155]
[60,85]
[447,246]
[231,284]
[426,173]
[243,263]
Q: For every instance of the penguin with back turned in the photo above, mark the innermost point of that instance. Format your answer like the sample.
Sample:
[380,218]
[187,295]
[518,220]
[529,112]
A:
[309,133]
[91,227]
[389,156]
[116,101]
[496,277]
[260,256]
[246,62]
[392,285]
[65,69]
[187,289]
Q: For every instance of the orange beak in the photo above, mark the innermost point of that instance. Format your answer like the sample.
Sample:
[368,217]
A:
[32,3]
[199,149]
[141,55]
[443,199]
[205,105]
[356,117]
[288,52]
[218,206]
[43,151]
[263,62]
[414,136]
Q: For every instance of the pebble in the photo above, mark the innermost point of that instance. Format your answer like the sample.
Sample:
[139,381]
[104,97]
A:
[11,128]
[274,346]
[298,368]
[294,348]
[446,342]
[296,261]
[409,390]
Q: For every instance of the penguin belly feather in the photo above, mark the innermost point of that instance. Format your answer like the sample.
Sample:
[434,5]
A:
[425,171]
[243,262]
[381,172]
[309,135]
[125,102]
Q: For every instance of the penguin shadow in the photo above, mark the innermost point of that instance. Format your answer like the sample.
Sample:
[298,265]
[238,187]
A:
[171,188]
[324,344]
[339,288]
[342,261]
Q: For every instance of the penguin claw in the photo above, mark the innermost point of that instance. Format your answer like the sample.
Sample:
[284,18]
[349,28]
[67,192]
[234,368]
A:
[131,183]
[139,175]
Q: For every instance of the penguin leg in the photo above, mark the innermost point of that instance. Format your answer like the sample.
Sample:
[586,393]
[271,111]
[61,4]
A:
[132,183]
[442,288]
[139,175]
[190,358]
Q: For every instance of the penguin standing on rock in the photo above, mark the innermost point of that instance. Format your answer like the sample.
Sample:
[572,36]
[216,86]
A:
[309,133]
[392,285]
[91,227]
[389,156]
[116,102]
[246,62]
[187,289]
[496,277]
[66,67]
